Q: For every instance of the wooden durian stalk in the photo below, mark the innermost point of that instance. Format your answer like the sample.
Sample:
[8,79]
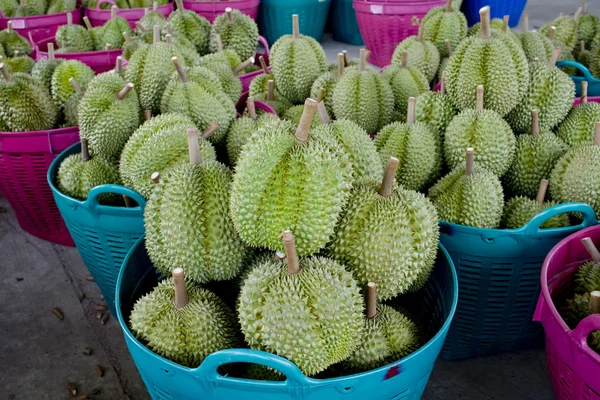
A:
[155,177]
[290,252]
[113,12]
[51,51]
[581,45]
[404,62]
[123,92]
[443,83]
[87,23]
[270,90]
[420,34]
[372,298]
[535,122]
[411,114]
[578,13]
[323,114]
[76,85]
[69,19]
[127,38]
[169,38]
[9,28]
[341,64]
[470,161]
[251,107]
[585,6]
[263,64]
[147,115]
[180,8]
[310,107]
[155,6]
[591,248]
[107,46]
[595,302]
[212,128]
[4,72]
[242,66]
[346,58]
[295,27]
[119,65]
[552,33]
[541,194]
[320,95]
[156,34]
[219,42]
[479,98]
[181,296]
[484,16]
[525,26]
[505,23]
[448,6]
[85,154]
[229,13]
[584,92]
[180,70]
[554,57]
[362,65]
[597,134]
[169,28]
[140,27]
[387,183]
[146,11]
[193,146]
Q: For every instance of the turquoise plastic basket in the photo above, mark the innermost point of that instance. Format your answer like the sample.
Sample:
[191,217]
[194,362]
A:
[404,379]
[344,26]
[593,82]
[102,234]
[275,17]
[499,282]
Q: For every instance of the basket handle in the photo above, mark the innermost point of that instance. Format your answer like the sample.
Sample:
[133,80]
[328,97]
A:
[265,45]
[100,2]
[586,326]
[92,199]
[534,224]
[586,72]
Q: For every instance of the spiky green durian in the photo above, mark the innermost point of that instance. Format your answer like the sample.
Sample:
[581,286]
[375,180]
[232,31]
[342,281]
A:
[71,107]
[183,322]
[587,277]
[578,127]
[327,82]
[422,54]
[534,44]
[496,24]
[158,145]
[405,82]
[8,7]
[435,109]
[44,69]
[228,57]
[566,29]
[566,53]
[583,55]
[185,47]
[444,23]
[19,63]
[31,8]
[261,373]
[75,36]
[23,10]
[231,84]
[272,97]
[588,26]
[259,85]
[308,310]
[61,6]
[238,32]
[278,185]
[131,45]
[61,88]
[469,196]
[11,41]
[153,17]
[112,31]
[296,62]
[191,25]
[25,104]
[294,114]
[576,308]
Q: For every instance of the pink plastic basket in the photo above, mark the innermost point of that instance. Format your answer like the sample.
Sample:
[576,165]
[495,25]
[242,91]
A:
[24,161]
[212,9]
[41,26]
[574,368]
[98,16]
[247,78]
[385,23]
[99,61]
[241,105]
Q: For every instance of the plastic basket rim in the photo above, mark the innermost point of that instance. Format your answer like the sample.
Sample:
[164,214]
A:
[75,54]
[39,133]
[170,3]
[441,331]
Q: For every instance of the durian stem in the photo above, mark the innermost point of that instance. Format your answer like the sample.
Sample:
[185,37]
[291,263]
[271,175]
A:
[5,73]
[76,85]
[484,17]
[411,114]
[140,27]
[242,66]
[295,27]
[263,64]
[16,53]
[362,65]
[155,6]
[51,51]
[323,115]
[404,63]
[595,302]
[155,177]
[341,64]
[212,128]
[113,12]
[169,38]
[582,46]
[387,184]
[181,296]
[180,8]
[535,122]
[554,57]
[107,46]
[145,12]
[320,95]
[69,19]
[219,42]
[505,23]
[584,91]
[346,58]
[578,13]
[470,161]
[128,202]
[63,44]
[119,65]
[251,107]
[479,98]
[541,194]
[229,13]
[290,252]
[87,23]
[9,27]
[127,38]
[443,83]
[597,134]
[525,22]
[125,91]
[310,107]
[591,248]
[270,90]
[193,146]
[448,45]
[169,28]
[85,154]
[180,71]
[147,115]
[585,6]
[372,297]
[156,34]
[552,33]
[449,6]
[420,34]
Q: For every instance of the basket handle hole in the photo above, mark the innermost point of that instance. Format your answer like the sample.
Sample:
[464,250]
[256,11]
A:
[489,239]
[166,371]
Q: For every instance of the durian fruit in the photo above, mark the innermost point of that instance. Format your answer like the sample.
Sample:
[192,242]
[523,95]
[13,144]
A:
[112,31]
[159,145]
[574,178]
[444,23]
[258,86]
[294,115]
[75,36]
[308,310]
[388,337]
[422,54]
[79,173]
[405,82]
[469,196]
[485,131]
[183,322]
[185,47]
[18,63]
[25,104]
[566,28]
[61,88]
[279,184]
[187,220]
[327,82]
[364,96]
[61,6]
[108,115]
[551,92]
[8,7]
[588,25]
[494,61]
[587,277]
[583,55]
[72,104]
[444,62]
[435,108]
[187,97]
[153,17]
[273,98]
[534,44]
[536,155]
[191,25]
[44,69]
[130,45]
[223,55]
[416,145]
[221,66]
[519,210]
[565,54]
[238,32]
[11,41]
[576,309]
[386,234]
[29,8]
[578,127]
[296,62]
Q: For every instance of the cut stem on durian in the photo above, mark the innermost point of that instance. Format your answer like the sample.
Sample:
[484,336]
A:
[479,98]
[387,183]
[87,23]
[156,34]
[242,66]
[595,302]
[448,6]
[448,45]
[51,51]
[346,58]
[484,17]
[470,165]
[505,23]
[552,33]
[9,27]
[169,28]
[584,92]
[323,114]
[541,194]
[85,154]
[251,107]
[371,300]
[155,6]
[125,91]
[591,249]
[140,27]
[107,46]
[577,13]
[525,22]
[169,38]
[147,115]
[535,122]
[597,134]
[229,13]
[310,107]
[320,95]
[180,70]
[263,64]
[219,42]
[180,8]
[295,27]
[113,12]
[212,128]
[290,252]
[554,57]
[193,146]
[155,177]
[76,85]
[443,83]
[5,73]
[581,45]
[362,65]
[181,295]
[420,33]
[69,19]
[119,65]
[341,64]
[270,90]
[404,63]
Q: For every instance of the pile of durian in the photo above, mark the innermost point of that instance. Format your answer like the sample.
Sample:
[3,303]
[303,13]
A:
[30,8]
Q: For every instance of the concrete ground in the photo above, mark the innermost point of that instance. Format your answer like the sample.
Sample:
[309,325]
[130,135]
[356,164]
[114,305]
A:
[40,355]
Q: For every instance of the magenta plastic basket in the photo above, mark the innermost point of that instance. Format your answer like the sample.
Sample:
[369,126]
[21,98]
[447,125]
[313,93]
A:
[241,105]
[247,78]
[24,161]
[212,9]
[98,16]
[385,23]
[574,368]
[99,61]
[40,26]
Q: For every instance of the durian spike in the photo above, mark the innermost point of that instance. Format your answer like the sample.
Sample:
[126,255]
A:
[270,90]
[295,27]
[584,90]
[147,115]
[119,65]
[219,42]
[505,23]
[404,59]
[411,113]
[479,99]
[123,92]
[5,73]
[320,95]
[448,6]
[181,296]
[251,107]
[372,295]
[155,177]
[242,66]
[323,114]
[169,38]
[541,194]
[420,34]
[9,26]
[310,107]
[443,83]
[552,33]
[597,134]
[180,70]
[591,248]
[141,27]
[387,183]
[525,22]
[582,45]
[212,128]
[341,64]
[362,65]
[229,13]
[128,201]
[107,46]
[180,8]
[448,45]
[263,64]
[127,37]
[484,17]
[578,13]
[87,23]
[169,28]
[51,51]
[595,302]
[290,252]
[69,19]
[470,161]
[113,12]
[193,146]
[535,122]
[346,58]
[155,6]
[76,85]
[156,34]
[85,154]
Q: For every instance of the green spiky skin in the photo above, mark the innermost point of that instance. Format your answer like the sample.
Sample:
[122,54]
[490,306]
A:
[443,67]
[588,26]
[193,26]
[595,59]
[43,71]
[76,178]
[130,48]
[164,138]
[496,24]
[388,337]
[280,104]
[141,3]
[575,175]
[224,57]
[232,86]
[24,11]
[296,64]
[576,309]
[476,200]
[187,49]
[76,37]
[439,26]
[534,45]
[240,132]
[486,132]
[61,6]
[12,41]
[294,113]
[423,56]
[587,278]
[365,98]
[535,157]
[36,7]
[148,21]
[25,105]
[387,240]
[578,127]
[23,64]
[435,109]
[8,7]
[327,81]
[405,83]
[584,57]
[320,304]
[417,147]
[105,121]
[71,110]
[259,373]
[518,211]
[61,88]
[112,32]
[259,85]
[566,54]
[239,35]
[279,185]
[206,78]
[184,335]
[566,30]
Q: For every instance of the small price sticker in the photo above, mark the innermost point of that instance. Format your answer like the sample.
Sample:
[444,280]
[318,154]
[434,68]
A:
[376,9]
[18,23]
